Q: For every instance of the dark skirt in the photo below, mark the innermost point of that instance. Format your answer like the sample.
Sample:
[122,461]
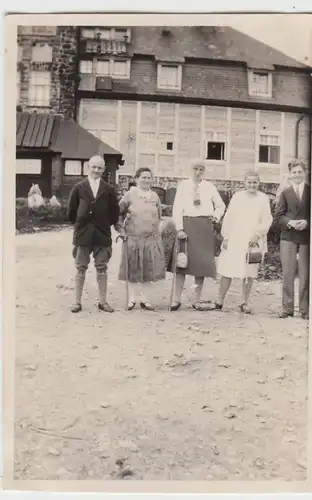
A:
[201,247]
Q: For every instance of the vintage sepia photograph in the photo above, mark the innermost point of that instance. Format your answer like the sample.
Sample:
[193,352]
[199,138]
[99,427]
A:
[162,217]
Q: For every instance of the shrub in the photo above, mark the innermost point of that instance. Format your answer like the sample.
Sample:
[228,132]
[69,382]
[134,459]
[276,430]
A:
[42,216]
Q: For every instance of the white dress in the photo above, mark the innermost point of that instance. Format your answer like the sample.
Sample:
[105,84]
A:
[246,216]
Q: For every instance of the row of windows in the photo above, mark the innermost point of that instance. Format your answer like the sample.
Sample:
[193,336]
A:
[106,33]
[215,150]
[32,166]
[169,76]
[108,67]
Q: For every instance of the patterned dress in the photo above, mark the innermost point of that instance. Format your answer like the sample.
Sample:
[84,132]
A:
[141,212]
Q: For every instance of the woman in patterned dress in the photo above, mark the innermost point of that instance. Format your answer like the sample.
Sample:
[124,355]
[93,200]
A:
[139,225]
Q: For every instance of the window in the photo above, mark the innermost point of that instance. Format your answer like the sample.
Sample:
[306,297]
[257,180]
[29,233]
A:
[18,86]
[85,167]
[216,151]
[85,67]
[41,52]
[104,34]
[30,166]
[121,33]
[121,69]
[269,149]
[169,76]
[39,88]
[147,141]
[260,83]
[166,142]
[216,146]
[103,68]
[73,167]
[87,33]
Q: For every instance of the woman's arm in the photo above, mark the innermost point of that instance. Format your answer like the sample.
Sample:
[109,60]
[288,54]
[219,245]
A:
[158,204]
[178,209]
[219,206]
[228,218]
[266,218]
[123,210]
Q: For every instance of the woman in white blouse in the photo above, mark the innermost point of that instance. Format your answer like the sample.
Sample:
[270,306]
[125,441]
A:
[245,225]
[196,206]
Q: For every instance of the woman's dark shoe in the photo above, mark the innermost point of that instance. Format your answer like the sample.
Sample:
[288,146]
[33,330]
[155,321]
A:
[305,315]
[285,314]
[218,306]
[76,308]
[147,306]
[203,306]
[244,308]
[175,306]
[105,308]
[131,305]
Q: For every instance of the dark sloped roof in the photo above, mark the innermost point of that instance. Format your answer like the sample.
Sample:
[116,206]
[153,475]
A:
[38,130]
[33,130]
[207,42]
[75,142]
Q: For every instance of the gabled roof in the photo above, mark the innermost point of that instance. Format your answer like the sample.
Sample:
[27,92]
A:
[75,142]
[54,133]
[207,42]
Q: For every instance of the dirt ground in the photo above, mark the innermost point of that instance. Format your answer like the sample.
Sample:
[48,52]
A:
[152,395]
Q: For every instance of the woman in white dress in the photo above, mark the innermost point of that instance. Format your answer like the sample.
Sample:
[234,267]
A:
[245,226]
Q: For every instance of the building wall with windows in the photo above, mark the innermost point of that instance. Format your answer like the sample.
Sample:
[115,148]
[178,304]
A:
[166,136]
[47,69]
[165,96]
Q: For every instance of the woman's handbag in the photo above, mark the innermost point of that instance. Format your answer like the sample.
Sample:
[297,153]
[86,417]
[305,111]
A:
[254,256]
[182,258]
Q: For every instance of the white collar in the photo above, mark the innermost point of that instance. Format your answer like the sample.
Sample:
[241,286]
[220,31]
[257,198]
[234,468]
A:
[94,181]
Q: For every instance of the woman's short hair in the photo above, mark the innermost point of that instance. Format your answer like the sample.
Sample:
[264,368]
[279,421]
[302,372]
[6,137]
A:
[252,173]
[296,163]
[141,170]
[198,163]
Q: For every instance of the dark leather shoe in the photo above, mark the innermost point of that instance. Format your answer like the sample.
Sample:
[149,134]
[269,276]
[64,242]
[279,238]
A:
[146,306]
[76,308]
[175,306]
[285,314]
[305,315]
[106,308]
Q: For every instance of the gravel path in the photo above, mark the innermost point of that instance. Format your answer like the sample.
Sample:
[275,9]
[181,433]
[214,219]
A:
[152,395]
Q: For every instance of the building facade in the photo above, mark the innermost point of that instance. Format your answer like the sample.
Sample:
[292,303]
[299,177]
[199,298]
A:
[51,147]
[167,95]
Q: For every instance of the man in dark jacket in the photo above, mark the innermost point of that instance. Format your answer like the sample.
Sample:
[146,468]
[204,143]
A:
[293,216]
[93,209]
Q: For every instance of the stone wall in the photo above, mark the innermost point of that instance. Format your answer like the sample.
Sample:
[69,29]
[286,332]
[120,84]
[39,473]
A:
[63,67]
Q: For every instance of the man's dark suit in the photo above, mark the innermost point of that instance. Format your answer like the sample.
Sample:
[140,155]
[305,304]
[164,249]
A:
[93,217]
[293,242]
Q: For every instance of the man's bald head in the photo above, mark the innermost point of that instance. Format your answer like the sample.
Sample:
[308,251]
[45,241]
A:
[96,166]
